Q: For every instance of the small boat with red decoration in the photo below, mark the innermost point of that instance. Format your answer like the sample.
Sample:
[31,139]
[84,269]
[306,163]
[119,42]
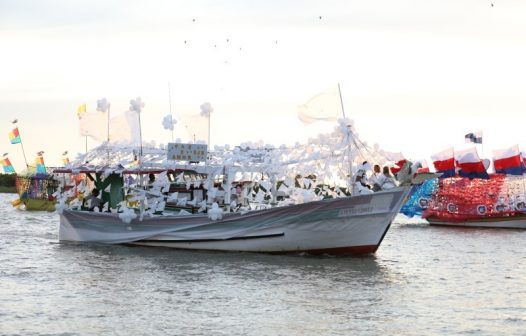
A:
[470,197]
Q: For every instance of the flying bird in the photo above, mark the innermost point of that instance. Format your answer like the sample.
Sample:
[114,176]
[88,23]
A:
[320,17]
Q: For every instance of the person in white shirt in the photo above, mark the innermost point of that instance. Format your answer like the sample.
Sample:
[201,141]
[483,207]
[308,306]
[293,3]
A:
[361,183]
[386,180]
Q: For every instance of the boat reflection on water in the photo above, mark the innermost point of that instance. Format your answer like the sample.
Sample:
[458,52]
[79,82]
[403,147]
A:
[183,267]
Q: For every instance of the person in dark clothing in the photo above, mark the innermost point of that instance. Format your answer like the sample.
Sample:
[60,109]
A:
[93,201]
[151,180]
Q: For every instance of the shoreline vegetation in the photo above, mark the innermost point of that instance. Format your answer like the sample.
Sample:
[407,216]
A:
[7,183]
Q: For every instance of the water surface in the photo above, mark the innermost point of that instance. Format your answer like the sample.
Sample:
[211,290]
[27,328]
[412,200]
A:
[422,281]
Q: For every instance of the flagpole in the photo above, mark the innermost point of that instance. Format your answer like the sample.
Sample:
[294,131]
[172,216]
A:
[80,110]
[141,210]
[23,152]
[350,143]
[170,102]
[21,144]
[140,135]
[108,135]
[341,99]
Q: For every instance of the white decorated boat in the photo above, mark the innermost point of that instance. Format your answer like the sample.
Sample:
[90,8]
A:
[348,225]
[253,197]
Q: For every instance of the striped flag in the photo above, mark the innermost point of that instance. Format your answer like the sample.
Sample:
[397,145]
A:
[39,162]
[470,164]
[14,136]
[508,161]
[8,167]
[444,162]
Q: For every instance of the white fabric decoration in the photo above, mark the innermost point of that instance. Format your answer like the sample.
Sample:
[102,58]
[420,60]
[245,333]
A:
[215,212]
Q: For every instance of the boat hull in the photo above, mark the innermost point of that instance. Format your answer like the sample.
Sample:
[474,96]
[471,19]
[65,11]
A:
[31,204]
[510,222]
[352,225]
[39,204]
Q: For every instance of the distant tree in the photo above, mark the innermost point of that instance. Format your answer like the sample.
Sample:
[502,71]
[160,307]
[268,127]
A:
[7,180]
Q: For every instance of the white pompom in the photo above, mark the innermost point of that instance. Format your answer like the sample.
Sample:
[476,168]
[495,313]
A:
[215,213]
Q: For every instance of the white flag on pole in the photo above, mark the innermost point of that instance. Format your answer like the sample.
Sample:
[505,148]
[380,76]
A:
[196,125]
[124,129]
[324,106]
[94,125]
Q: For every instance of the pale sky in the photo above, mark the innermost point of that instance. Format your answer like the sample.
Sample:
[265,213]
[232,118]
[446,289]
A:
[416,76]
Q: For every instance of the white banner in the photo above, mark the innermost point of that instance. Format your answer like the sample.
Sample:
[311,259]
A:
[187,152]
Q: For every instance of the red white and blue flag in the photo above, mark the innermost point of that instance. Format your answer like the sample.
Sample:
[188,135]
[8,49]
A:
[470,164]
[444,162]
[508,161]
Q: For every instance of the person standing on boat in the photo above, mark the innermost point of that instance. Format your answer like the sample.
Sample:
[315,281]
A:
[361,185]
[386,180]
[373,180]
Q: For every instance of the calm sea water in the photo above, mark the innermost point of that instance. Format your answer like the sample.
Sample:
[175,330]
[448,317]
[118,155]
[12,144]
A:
[422,281]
